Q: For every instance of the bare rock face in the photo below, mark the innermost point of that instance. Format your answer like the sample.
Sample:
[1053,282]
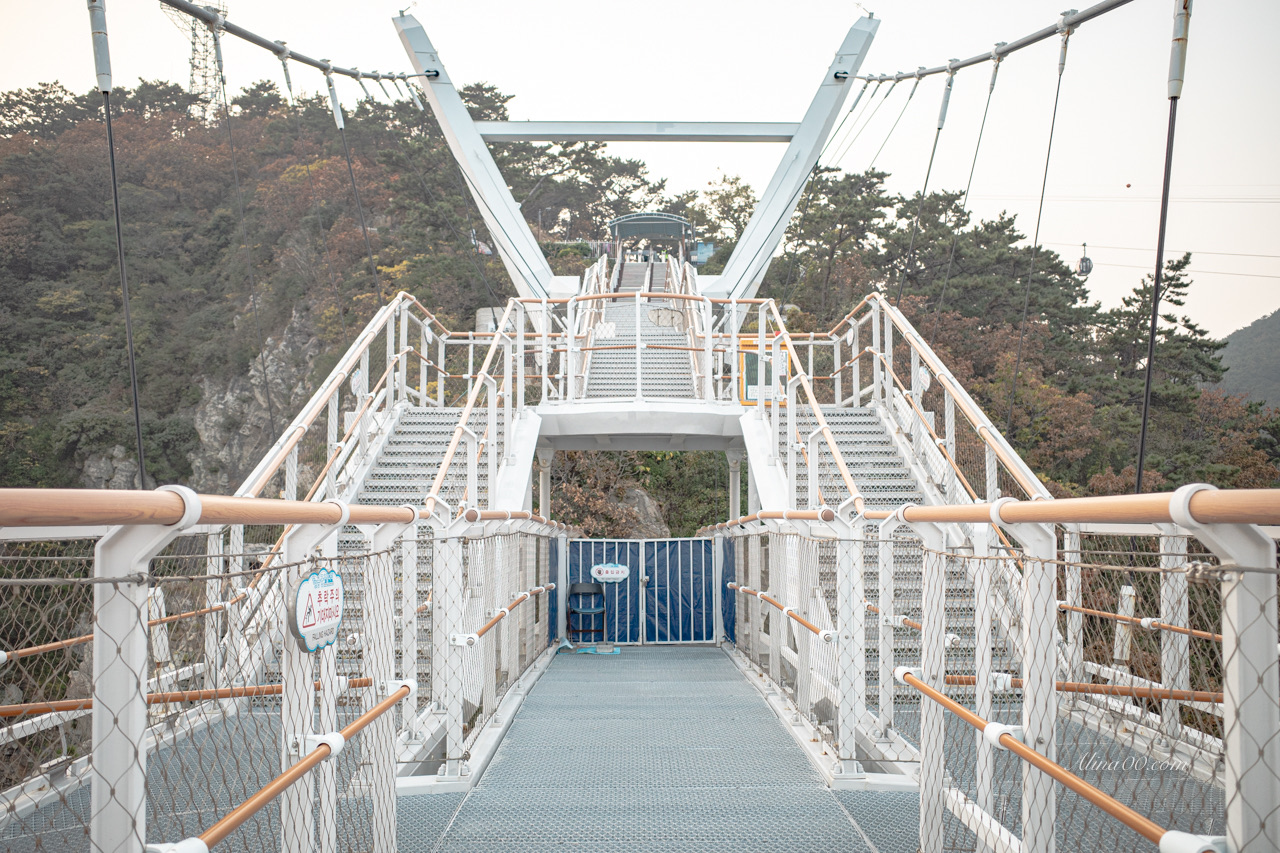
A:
[649,521]
[114,470]
[235,419]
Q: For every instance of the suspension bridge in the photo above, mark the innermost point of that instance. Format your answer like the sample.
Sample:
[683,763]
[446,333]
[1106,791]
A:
[902,642]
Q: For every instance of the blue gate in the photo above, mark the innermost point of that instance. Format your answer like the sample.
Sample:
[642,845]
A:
[669,594]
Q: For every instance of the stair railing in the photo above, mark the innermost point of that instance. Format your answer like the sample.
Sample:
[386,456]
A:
[998,471]
[502,342]
[783,353]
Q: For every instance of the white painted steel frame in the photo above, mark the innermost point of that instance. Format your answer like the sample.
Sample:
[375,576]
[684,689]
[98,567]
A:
[519,250]
[759,240]
[637,131]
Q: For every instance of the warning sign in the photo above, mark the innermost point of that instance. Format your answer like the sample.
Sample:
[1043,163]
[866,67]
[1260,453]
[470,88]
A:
[316,612]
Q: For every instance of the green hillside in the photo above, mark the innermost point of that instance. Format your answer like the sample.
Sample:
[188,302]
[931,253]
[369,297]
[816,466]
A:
[1252,357]
[237,317]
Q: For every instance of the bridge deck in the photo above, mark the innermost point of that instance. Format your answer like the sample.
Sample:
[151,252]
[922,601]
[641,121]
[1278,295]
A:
[664,748]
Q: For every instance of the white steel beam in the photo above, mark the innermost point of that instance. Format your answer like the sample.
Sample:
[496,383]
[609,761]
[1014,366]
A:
[516,245]
[637,131]
[749,261]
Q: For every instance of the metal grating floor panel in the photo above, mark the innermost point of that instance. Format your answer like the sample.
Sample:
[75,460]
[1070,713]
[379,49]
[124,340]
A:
[657,749]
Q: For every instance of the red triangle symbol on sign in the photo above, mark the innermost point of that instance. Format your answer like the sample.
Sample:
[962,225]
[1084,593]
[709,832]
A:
[309,616]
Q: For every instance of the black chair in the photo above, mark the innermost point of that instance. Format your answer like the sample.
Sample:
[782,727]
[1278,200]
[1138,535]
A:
[582,601]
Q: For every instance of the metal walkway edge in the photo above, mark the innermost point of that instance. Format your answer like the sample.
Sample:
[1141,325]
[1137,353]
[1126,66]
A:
[653,749]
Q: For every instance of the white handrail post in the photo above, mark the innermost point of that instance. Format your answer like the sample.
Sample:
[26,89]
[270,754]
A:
[1075,598]
[389,364]
[446,688]
[508,407]
[1123,629]
[118,772]
[291,475]
[761,316]
[639,352]
[777,621]
[471,361]
[755,607]
[885,565]
[949,443]
[717,563]
[402,386]
[409,613]
[1039,673]
[732,329]
[298,702]
[490,444]
[571,336]
[932,665]
[877,367]
[851,613]
[791,444]
[855,366]
[1175,648]
[214,567]
[424,344]
[379,659]
[441,370]
[545,383]
[520,363]
[886,387]
[814,469]
[983,629]
[1250,674]
[708,377]
[836,372]
[776,376]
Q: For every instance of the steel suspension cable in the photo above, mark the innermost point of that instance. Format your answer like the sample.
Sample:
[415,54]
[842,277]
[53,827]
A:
[215,29]
[868,114]
[796,194]
[351,173]
[787,288]
[1035,241]
[102,63]
[848,113]
[889,135]
[964,204]
[315,202]
[915,223]
[1177,71]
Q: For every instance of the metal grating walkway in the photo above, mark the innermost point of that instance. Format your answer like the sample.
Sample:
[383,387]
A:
[654,749]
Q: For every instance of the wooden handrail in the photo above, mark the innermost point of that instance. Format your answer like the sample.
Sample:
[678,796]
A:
[826,636]
[1108,690]
[1152,624]
[1140,824]
[1211,506]
[73,507]
[245,691]
[234,819]
[825,514]
[516,602]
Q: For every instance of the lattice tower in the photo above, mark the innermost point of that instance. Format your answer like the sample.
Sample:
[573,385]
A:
[204,83]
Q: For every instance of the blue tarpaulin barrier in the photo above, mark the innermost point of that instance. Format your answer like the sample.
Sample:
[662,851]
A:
[668,595]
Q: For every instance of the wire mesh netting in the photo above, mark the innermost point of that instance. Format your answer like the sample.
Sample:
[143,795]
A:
[192,650]
[1126,637]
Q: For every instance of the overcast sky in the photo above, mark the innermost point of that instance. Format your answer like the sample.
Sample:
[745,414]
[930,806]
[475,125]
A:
[720,60]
